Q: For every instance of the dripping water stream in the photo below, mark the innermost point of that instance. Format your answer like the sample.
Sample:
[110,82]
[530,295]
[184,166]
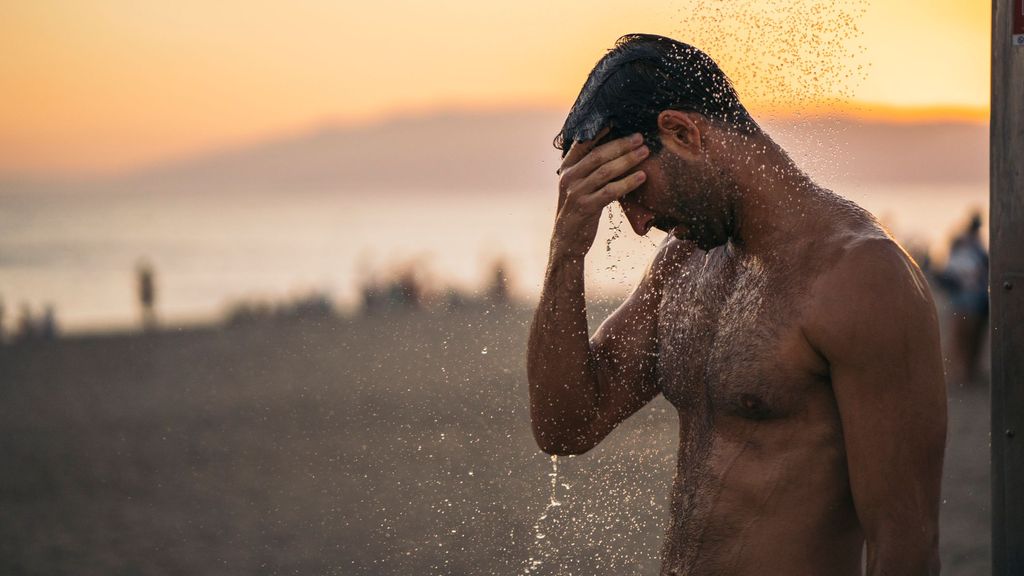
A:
[535,562]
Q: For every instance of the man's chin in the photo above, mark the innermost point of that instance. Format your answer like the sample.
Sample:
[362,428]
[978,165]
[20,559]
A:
[666,226]
[701,237]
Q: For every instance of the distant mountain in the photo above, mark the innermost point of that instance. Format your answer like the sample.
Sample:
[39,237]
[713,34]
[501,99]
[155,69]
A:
[474,152]
[848,151]
[443,152]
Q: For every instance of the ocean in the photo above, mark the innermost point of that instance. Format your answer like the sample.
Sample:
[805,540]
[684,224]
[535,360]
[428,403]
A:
[78,252]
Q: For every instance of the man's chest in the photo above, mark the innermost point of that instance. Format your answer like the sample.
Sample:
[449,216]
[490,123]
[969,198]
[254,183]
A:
[729,340]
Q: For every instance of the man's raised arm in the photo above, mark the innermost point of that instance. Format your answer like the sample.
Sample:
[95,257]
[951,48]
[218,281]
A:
[580,390]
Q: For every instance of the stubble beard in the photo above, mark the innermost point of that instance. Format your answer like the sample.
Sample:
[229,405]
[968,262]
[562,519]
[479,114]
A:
[701,190]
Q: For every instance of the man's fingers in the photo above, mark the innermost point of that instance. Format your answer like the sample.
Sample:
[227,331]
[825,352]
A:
[606,152]
[579,149]
[612,169]
[619,188]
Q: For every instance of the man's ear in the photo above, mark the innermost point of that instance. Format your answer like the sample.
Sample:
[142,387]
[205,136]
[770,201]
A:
[681,132]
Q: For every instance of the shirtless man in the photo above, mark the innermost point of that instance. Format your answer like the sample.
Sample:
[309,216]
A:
[796,339]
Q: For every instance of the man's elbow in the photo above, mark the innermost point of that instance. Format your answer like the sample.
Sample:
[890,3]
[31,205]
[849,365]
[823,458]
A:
[910,553]
[563,444]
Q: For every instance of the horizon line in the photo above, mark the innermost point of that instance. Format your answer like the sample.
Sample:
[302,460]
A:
[855,111]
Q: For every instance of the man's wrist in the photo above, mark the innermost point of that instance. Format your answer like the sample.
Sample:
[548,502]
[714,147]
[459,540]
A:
[561,253]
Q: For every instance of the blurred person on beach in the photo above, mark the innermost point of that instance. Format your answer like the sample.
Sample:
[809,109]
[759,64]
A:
[965,278]
[406,290]
[146,281]
[26,324]
[498,290]
[797,340]
[401,287]
[48,323]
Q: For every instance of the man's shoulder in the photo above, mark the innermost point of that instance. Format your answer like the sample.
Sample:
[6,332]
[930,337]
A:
[870,283]
[854,253]
[866,259]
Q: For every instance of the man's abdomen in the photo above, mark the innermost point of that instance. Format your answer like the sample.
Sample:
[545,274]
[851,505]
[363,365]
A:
[762,497]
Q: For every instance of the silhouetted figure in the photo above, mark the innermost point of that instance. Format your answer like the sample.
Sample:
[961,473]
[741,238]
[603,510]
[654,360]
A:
[1,320]
[406,290]
[373,297]
[316,306]
[147,295]
[26,324]
[369,285]
[965,278]
[498,289]
[48,323]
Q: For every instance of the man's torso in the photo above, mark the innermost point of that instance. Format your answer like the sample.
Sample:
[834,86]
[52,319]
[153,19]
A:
[761,485]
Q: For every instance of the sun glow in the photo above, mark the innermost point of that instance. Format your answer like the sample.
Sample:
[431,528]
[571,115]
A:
[113,84]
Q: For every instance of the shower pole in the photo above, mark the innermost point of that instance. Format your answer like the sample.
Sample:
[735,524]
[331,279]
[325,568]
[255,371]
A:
[1006,242]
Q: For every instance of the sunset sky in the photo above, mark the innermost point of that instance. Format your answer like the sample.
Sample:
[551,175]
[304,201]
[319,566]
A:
[108,85]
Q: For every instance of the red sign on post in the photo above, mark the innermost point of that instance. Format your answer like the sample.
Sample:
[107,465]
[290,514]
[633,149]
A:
[1018,23]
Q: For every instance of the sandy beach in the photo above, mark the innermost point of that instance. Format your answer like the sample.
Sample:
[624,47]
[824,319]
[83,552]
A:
[383,444]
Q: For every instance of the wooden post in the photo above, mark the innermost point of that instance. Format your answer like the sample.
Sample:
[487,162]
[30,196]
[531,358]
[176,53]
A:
[1006,241]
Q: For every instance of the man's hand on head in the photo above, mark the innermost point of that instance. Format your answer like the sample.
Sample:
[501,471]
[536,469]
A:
[591,177]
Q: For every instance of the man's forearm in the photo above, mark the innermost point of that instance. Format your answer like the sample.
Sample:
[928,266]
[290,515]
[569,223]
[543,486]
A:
[910,551]
[563,385]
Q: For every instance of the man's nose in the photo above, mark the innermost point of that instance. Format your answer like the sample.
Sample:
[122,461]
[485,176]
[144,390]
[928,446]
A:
[640,218]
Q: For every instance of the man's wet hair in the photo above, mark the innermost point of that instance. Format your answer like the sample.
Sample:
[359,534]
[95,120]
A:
[640,77]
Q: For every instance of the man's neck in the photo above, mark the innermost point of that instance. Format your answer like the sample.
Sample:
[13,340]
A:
[769,197]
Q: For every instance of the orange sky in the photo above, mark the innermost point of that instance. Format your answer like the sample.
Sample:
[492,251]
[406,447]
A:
[113,84]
